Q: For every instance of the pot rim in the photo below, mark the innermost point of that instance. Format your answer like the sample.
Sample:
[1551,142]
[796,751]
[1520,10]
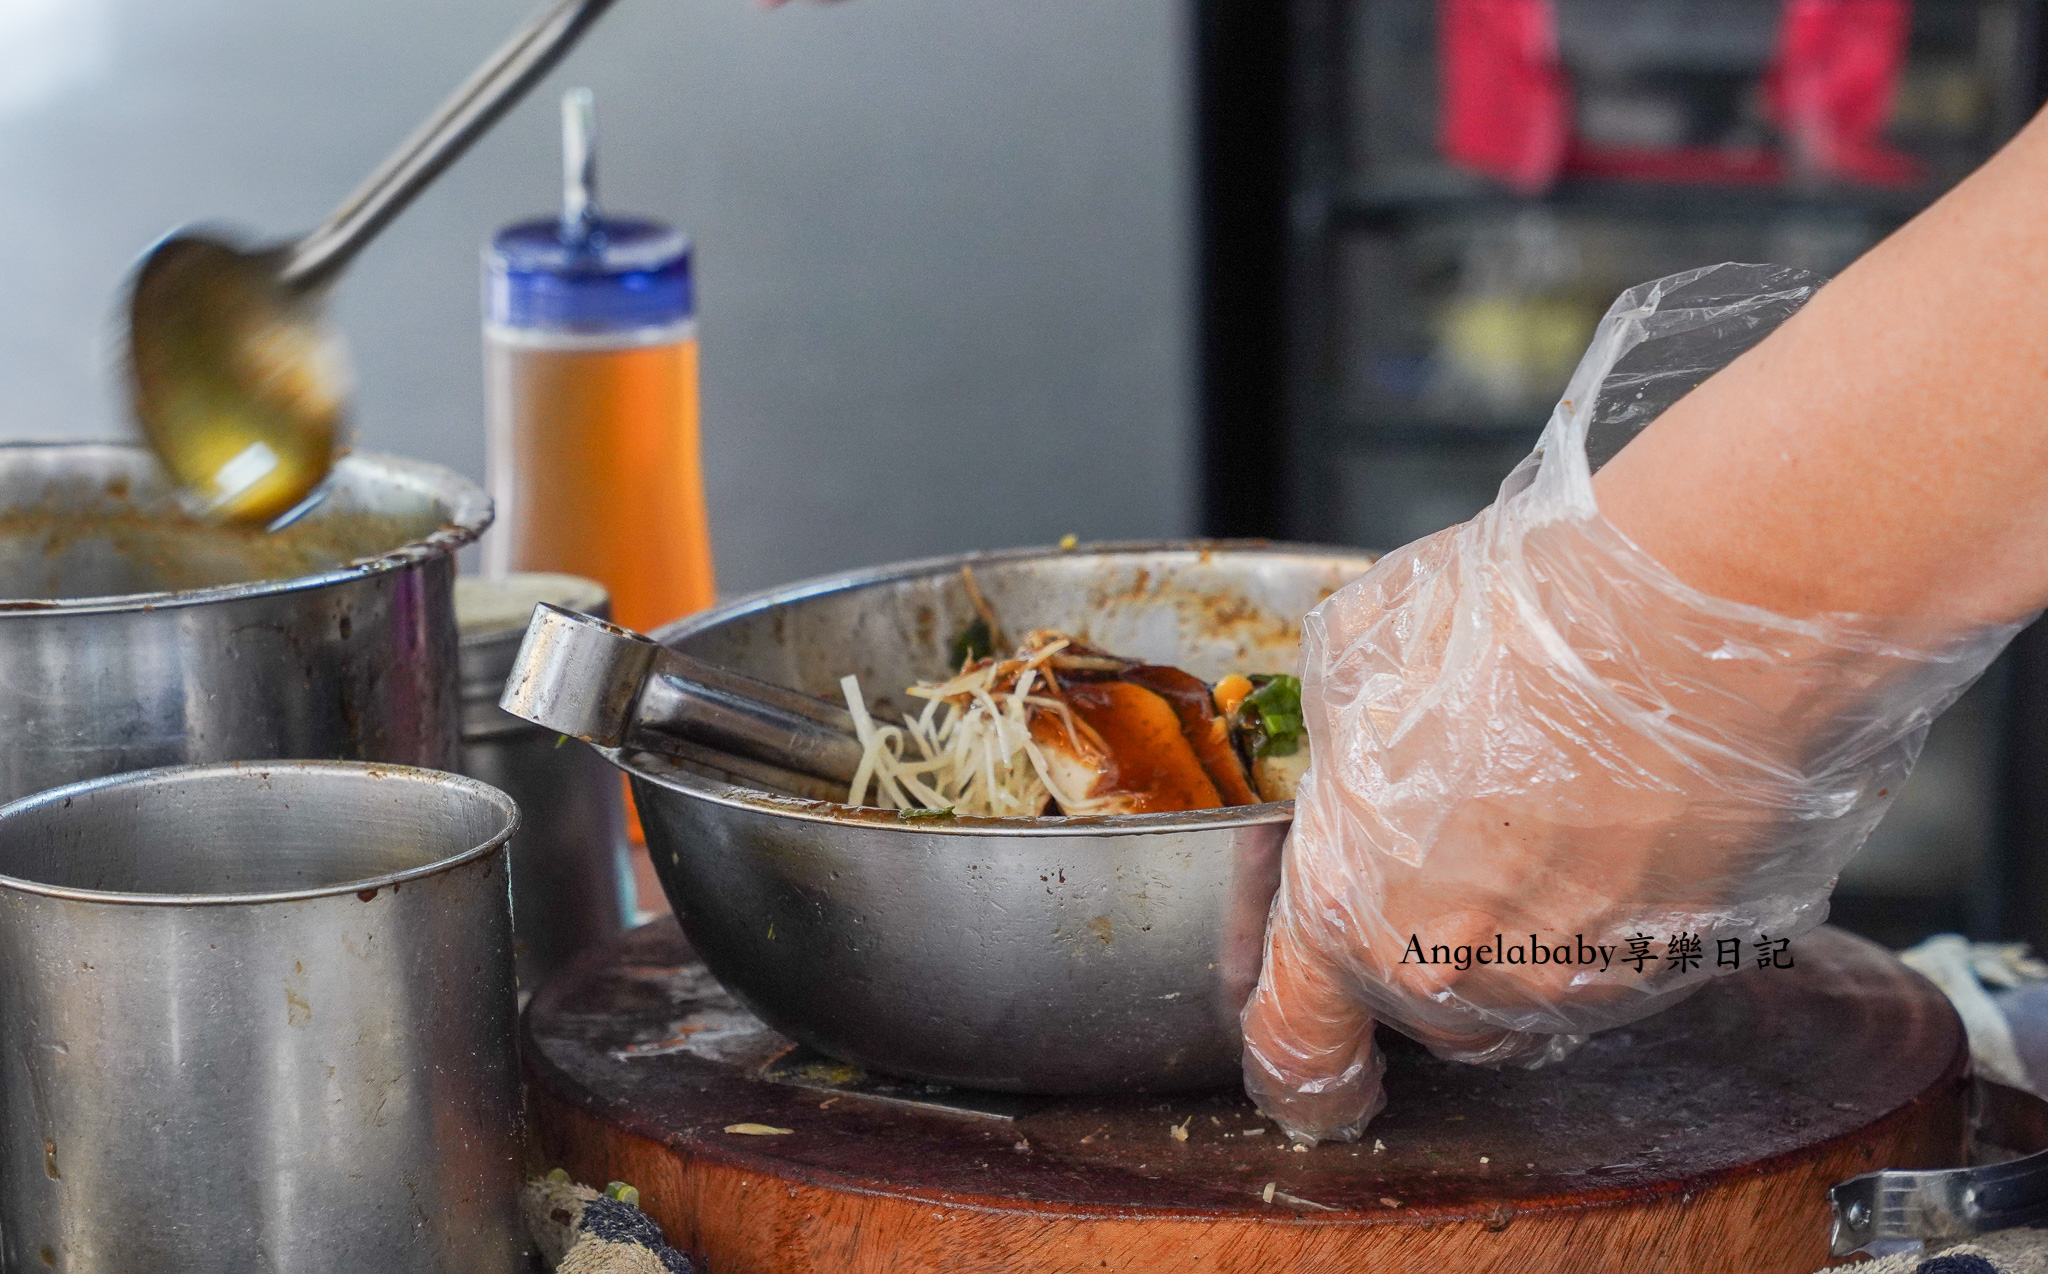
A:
[256,771]
[469,513]
[665,773]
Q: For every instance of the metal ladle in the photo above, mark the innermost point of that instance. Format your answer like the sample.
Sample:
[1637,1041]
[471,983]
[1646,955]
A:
[239,383]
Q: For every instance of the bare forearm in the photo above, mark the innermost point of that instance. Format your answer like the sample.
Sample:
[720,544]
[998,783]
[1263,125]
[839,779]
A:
[1886,451]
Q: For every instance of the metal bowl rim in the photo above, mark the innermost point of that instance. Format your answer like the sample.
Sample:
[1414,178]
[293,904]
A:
[469,513]
[752,800]
[868,818]
[817,585]
[256,770]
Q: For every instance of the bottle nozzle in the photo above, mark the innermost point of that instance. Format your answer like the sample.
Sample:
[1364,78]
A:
[579,166]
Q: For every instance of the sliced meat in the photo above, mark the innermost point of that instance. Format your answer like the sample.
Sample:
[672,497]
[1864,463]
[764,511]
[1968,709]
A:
[1204,728]
[1144,764]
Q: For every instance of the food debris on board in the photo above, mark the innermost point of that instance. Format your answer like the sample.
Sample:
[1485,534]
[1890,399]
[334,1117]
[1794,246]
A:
[758,1130]
[1272,1193]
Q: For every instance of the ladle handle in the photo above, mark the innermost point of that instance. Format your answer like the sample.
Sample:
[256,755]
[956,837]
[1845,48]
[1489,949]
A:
[495,87]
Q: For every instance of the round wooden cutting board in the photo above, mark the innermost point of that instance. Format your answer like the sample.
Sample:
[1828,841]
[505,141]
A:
[1701,1139]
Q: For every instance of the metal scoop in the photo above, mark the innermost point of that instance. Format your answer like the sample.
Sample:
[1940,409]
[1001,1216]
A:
[239,383]
[607,685]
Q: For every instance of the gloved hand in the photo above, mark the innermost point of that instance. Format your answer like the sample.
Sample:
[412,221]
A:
[1524,732]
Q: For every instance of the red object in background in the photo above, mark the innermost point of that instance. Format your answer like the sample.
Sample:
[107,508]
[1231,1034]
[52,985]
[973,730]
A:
[1831,87]
[1506,105]
[1506,100]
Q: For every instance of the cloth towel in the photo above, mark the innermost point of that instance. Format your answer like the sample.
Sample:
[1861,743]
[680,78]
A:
[1971,974]
[2006,1252]
[582,1231]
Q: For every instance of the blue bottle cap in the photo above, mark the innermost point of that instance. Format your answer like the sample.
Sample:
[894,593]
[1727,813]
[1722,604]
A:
[626,274]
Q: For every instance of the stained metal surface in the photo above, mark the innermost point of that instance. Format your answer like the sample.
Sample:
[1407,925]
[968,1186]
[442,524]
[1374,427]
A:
[1056,955]
[258,1018]
[568,860]
[131,637]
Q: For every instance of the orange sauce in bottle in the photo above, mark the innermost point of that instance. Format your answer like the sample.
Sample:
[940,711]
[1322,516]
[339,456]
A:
[597,466]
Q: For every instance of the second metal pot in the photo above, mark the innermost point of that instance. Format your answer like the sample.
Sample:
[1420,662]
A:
[258,1018]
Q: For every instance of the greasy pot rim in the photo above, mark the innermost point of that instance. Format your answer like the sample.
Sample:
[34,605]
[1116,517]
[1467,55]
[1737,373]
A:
[256,771]
[469,513]
[658,770]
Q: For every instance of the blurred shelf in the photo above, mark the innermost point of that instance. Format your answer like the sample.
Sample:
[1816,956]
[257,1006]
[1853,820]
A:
[1390,205]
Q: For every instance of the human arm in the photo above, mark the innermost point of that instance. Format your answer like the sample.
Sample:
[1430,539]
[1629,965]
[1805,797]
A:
[1885,452]
[1588,745]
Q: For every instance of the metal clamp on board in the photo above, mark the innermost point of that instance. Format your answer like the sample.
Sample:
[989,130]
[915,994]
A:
[1898,1208]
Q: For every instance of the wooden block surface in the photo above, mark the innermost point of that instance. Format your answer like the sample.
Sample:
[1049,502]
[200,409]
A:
[1704,1137]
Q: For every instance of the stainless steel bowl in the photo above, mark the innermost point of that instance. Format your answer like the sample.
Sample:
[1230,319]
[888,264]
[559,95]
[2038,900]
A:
[1058,955]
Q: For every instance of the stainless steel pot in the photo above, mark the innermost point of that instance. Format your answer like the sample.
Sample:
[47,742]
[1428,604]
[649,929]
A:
[569,865]
[132,637]
[1042,955]
[258,1017]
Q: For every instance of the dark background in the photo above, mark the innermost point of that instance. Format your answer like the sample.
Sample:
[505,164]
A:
[1382,332]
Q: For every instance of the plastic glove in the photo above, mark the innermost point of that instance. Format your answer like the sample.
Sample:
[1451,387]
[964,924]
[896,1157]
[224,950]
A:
[1524,726]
